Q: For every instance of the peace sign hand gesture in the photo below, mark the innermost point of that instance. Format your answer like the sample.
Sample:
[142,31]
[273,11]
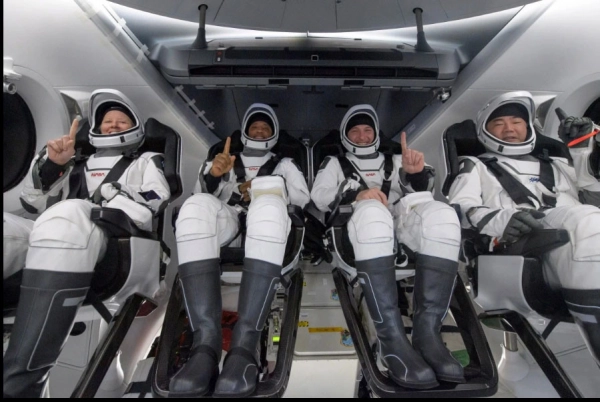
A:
[61,150]
[412,161]
[223,162]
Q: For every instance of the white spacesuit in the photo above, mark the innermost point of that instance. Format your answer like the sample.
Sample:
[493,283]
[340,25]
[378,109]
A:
[429,228]
[550,198]
[64,244]
[210,219]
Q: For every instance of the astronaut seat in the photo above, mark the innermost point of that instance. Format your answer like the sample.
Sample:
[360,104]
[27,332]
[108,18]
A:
[479,368]
[279,335]
[508,283]
[123,288]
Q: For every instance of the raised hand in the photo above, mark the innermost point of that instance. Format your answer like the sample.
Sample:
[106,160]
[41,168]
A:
[573,128]
[412,161]
[372,194]
[223,162]
[61,150]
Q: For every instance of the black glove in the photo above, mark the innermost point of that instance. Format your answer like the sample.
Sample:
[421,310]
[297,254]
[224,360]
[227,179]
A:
[521,223]
[573,127]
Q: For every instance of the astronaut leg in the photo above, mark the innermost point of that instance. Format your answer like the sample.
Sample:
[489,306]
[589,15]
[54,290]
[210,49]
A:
[64,248]
[371,233]
[433,231]
[268,226]
[584,306]
[203,224]
[15,235]
[575,267]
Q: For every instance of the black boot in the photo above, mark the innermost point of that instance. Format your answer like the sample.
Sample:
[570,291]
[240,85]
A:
[434,282]
[406,367]
[201,285]
[584,306]
[241,367]
[45,315]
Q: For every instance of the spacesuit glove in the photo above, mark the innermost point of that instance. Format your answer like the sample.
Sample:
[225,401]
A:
[573,127]
[110,190]
[521,223]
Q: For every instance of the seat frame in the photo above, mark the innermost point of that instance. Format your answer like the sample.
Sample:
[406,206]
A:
[133,281]
[508,299]
[481,373]
[274,383]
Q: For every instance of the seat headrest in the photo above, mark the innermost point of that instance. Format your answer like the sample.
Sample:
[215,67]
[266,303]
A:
[163,139]
[460,139]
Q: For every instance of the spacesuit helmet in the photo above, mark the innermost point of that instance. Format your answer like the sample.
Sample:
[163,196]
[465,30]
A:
[101,102]
[360,114]
[260,112]
[517,103]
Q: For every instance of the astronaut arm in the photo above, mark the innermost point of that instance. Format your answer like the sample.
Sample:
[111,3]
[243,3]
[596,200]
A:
[44,184]
[296,184]
[325,188]
[422,181]
[155,190]
[467,191]
[588,180]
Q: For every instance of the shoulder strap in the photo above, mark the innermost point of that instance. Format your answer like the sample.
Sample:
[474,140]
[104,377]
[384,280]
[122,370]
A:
[349,170]
[77,183]
[515,189]
[115,173]
[388,167]
[240,172]
[547,177]
[239,169]
[269,166]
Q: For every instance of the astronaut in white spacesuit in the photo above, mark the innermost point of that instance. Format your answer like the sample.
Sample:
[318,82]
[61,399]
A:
[258,185]
[64,244]
[392,200]
[551,194]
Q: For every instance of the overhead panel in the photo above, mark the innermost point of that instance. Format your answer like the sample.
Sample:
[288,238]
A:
[321,15]
[354,15]
[433,12]
[250,14]
[458,9]
[308,16]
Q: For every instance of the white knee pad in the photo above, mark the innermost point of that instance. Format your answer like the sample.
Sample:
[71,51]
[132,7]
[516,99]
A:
[264,185]
[575,265]
[586,235]
[371,230]
[65,239]
[268,226]
[196,228]
[432,228]
[16,232]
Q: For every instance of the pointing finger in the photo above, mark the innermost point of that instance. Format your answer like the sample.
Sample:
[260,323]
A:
[74,127]
[227,146]
[403,141]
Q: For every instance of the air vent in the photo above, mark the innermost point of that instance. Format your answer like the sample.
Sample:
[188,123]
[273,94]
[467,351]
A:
[308,71]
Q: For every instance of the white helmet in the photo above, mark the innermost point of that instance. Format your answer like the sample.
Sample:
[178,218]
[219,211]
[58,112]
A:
[360,114]
[260,111]
[500,106]
[103,100]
